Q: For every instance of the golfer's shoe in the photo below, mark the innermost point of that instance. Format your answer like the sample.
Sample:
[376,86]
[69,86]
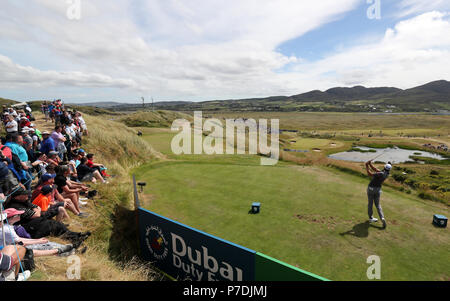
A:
[384,223]
[373,220]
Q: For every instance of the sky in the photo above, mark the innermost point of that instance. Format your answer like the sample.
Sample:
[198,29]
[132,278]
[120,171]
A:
[197,50]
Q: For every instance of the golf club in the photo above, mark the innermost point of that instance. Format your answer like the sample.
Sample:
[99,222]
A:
[379,155]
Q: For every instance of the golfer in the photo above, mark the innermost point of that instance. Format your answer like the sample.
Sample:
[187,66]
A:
[374,189]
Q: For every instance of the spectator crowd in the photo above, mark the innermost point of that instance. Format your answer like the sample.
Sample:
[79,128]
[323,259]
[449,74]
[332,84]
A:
[45,180]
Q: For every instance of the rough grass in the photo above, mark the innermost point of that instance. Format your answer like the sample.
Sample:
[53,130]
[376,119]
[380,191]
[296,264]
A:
[115,142]
[154,119]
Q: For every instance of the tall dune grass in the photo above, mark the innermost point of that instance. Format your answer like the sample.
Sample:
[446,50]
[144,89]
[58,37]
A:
[159,119]
[119,149]
[116,145]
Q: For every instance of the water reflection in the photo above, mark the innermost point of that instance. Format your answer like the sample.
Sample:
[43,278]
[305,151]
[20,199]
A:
[394,155]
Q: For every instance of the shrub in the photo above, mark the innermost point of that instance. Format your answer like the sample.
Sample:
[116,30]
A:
[399,177]
[410,182]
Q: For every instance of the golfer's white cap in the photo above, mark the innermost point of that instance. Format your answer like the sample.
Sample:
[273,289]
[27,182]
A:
[388,167]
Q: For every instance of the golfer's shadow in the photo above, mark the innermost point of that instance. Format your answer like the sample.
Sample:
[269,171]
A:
[360,230]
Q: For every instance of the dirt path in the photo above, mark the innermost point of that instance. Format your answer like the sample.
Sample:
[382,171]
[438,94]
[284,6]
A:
[41,124]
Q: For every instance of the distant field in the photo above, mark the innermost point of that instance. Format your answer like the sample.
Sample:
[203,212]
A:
[310,143]
[312,217]
[349,121]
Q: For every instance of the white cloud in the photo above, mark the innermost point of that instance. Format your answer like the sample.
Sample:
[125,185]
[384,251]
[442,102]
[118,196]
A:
[197,49]
[14,75]
[414,52]
[172,48]
[410,7]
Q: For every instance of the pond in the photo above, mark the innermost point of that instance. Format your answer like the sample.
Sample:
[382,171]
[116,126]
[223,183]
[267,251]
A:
[393,155]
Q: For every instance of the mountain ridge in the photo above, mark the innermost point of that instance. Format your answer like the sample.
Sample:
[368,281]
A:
[430,97]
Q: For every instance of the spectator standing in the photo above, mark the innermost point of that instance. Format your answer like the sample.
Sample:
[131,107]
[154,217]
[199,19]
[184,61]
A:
[11,126]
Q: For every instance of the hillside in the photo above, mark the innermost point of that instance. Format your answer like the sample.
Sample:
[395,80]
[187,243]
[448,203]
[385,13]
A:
[112,247]
[153,119]
[431,97]
[5,101]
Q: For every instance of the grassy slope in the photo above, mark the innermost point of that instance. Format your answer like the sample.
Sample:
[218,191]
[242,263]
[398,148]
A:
[5,101]
[215,197]
[153,119]
[119,148]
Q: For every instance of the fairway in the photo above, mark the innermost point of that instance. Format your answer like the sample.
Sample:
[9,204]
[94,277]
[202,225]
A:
[311,217]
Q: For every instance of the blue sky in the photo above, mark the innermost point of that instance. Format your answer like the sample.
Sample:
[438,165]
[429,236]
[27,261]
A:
[216,49]
[350,29]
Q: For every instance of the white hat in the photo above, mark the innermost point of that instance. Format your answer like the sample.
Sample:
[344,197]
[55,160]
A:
[388,167]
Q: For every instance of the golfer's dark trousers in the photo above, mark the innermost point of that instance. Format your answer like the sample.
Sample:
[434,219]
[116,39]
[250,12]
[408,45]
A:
[373,194]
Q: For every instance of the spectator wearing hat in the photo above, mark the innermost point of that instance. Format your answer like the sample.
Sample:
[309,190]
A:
[69,203]
[24,122]
[48,144]
[12,112]
[53,158]
[36,131]
[27,140]
[82,153]
[12,238]
[49,208]
[28,143]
